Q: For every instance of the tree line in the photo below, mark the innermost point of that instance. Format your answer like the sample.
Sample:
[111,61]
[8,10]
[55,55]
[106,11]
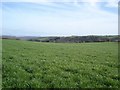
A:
[78,39]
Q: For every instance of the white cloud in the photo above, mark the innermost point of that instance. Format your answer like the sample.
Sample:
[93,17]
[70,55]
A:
[0,19]
[89,19]
[112,3]
[24,0]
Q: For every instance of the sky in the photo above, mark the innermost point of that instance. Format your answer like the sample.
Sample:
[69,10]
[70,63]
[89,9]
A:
[59,17]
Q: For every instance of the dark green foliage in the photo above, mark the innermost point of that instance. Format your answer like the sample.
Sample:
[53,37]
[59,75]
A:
[78,39]
[69,39]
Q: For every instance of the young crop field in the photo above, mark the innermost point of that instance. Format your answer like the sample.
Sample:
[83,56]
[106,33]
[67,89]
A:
[27,64]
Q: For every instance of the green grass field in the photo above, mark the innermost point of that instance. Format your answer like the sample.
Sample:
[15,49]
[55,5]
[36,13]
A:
[28,64]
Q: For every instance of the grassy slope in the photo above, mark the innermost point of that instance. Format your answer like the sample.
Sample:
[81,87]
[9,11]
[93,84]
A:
[0,64]
[33,64]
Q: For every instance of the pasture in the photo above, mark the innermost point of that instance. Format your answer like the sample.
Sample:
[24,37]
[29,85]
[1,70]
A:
[27,64]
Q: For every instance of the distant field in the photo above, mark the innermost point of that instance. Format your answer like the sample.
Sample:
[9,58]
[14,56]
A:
[59,65]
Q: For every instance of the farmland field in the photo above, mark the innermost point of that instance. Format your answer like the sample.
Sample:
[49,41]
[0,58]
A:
[28,64]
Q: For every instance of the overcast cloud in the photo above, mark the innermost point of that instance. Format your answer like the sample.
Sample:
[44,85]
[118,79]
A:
[59,18]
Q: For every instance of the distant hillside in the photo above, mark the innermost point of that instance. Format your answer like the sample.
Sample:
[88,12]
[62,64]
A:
[18,37]
[8,37]
[78,39]
[70,39]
